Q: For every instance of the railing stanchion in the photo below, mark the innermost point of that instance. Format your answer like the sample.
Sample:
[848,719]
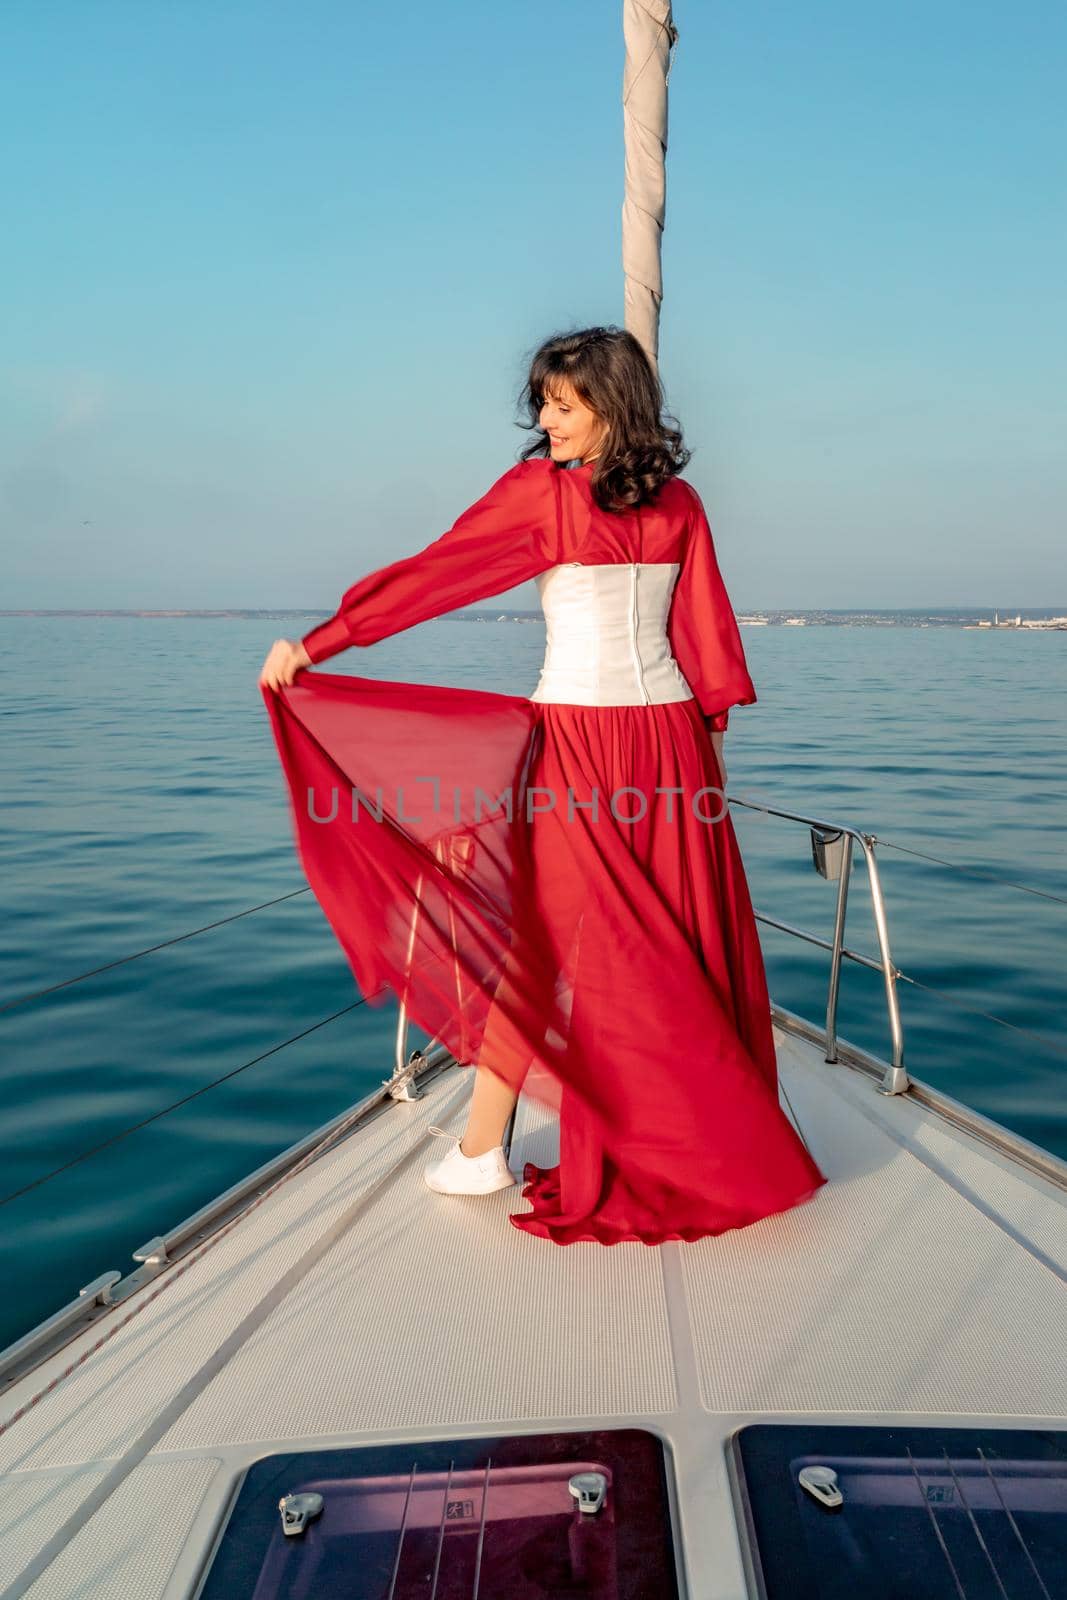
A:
[402,1084]
[896,1079]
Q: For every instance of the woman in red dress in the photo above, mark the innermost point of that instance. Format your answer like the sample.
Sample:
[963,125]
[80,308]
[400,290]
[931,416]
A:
[552,884]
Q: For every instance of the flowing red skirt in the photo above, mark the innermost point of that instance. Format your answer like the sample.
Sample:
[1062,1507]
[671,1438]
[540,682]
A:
[556,893]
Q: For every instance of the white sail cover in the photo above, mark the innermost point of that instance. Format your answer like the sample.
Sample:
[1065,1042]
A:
[650,37]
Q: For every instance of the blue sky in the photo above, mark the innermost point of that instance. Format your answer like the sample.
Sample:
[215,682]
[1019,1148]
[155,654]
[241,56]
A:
[272,272]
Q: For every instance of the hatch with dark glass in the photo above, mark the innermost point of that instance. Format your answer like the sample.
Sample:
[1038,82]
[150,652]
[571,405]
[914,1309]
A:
[582,1515]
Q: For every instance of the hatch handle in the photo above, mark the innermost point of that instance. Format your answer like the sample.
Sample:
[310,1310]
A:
[298,1510]
[589,1489]
[821,1484]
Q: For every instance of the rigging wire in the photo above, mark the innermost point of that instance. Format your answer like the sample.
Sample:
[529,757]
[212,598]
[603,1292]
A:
[1043,1039]
[9,1005]
[116,1137]
[974,872]
[941,861]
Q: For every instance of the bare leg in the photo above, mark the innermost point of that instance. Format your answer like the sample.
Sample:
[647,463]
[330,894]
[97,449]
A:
[492,1103]
[492,1100]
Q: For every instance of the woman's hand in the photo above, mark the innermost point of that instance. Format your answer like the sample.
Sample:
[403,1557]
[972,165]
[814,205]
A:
[284,660]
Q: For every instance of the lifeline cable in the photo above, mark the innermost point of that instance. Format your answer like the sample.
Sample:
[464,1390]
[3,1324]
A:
[989,1016]
[761,803]
[976,872]
[35,994]
[116,1137]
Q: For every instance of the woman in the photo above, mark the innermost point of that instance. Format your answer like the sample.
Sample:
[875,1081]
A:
[552,884]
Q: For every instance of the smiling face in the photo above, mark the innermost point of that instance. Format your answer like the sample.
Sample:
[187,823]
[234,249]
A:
[574,430]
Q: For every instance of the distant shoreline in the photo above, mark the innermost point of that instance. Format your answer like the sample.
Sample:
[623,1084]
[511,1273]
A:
[1025,619]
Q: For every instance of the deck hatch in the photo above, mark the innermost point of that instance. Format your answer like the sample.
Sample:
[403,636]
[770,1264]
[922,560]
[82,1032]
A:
[500,1518]
[931,1513]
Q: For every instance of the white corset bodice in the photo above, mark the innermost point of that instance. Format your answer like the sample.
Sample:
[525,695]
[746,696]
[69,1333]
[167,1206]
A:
[607,635]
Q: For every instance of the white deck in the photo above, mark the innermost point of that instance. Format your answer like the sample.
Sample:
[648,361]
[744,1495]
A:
[924,1282]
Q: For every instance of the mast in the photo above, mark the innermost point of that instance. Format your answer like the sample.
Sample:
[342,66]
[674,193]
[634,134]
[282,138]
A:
[650,37]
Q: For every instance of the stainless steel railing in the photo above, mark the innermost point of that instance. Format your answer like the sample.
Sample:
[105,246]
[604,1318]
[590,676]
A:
[833,846]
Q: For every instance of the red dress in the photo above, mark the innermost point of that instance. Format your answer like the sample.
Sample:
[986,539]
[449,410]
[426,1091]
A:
[552,884]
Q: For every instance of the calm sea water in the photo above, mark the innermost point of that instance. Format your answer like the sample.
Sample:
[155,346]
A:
[144,799]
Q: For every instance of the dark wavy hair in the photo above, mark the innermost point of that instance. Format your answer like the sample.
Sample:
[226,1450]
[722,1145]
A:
[611,373]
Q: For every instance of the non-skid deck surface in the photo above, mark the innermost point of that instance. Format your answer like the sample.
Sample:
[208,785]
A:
[356,1305]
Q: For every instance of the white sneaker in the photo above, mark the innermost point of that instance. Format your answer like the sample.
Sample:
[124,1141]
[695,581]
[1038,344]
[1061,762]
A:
[456,1173]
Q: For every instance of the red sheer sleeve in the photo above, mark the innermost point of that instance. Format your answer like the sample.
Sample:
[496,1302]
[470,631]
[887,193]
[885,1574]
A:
[512,533]
[703,631]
